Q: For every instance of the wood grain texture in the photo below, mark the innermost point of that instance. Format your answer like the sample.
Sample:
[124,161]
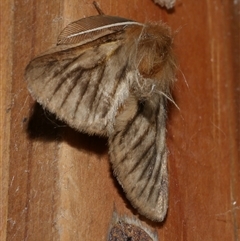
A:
[56,184]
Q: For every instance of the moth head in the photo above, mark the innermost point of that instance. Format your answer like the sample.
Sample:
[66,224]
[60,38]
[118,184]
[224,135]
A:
[154,57]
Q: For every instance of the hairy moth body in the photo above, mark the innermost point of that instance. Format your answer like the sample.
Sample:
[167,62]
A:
[111,76]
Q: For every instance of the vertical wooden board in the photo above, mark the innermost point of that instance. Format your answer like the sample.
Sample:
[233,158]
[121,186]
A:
[234,26]
[203,137]
[32,167]
[60,182]
[6,28]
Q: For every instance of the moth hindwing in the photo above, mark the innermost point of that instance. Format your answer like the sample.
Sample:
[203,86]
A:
[111,76]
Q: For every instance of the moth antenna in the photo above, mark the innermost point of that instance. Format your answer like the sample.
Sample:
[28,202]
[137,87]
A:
[99,10]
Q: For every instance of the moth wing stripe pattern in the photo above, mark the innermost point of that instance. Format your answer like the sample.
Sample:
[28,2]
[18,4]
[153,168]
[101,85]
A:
[127,127]
[60,77]
[115,88]
[93,91]
[111,76]
[52,90]
[139,165]
[139,134]
[63,80]
[142,170]
[133,145]
[71,90]
[120,76]
[149,157]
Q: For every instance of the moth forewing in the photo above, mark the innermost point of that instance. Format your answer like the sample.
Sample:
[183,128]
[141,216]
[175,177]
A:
[110,76]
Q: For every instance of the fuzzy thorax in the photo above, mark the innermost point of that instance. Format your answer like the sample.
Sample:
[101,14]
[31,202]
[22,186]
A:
[150,48]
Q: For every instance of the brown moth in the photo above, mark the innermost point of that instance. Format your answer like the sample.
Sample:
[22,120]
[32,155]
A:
[124,228]
[111,76]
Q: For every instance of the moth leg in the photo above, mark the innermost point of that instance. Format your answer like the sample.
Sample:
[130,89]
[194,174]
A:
[99,10]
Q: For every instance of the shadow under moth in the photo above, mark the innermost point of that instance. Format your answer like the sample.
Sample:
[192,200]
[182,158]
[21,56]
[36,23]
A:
[112,76]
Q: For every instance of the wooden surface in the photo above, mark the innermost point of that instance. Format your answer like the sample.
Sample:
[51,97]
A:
[56,184]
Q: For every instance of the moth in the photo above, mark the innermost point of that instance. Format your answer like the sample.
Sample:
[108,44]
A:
[112,77]
[165,3]
[129,228]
